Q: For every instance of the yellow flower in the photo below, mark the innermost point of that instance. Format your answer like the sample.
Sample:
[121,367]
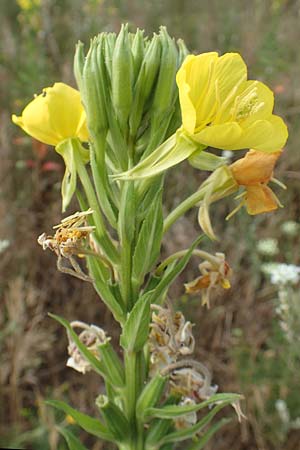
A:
[54,116]
[253,172]
[222,109]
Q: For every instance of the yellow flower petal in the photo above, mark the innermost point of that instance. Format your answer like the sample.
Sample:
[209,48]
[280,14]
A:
[260,199]
[225,136]
[230,72]
[55,115]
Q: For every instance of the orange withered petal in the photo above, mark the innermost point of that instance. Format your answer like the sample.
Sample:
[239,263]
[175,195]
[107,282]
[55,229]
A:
[260,199]
[256,167]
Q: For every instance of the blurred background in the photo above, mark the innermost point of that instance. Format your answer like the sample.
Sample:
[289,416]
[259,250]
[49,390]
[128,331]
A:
[251,334]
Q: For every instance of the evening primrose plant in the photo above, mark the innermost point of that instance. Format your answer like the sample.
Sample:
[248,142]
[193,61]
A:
[143,106]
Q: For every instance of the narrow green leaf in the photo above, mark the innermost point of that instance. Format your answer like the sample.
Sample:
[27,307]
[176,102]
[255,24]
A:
[72,441]
[149,241]
[136,328]
[87,423]
[190,432]
[172,275]
[172,411]
[199,445]
[95,363]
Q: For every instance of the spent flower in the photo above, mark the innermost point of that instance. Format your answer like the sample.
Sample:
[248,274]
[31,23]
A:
[215,271]
[91,336]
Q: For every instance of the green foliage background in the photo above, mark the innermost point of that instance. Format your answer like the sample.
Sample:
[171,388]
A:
[239,336]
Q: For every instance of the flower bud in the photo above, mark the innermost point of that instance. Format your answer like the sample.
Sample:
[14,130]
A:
[145,82]
[79,64]
[122,78]
[109,46]
[137,49]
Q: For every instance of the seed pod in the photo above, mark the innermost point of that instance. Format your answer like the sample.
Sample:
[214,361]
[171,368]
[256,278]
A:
[112,364]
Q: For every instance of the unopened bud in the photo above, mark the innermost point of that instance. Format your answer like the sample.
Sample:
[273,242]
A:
[151,394]
[137,49]
[122,78]
[115,420]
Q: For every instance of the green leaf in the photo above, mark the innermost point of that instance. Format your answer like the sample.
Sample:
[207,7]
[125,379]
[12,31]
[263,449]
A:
[95,363]
[172,411]
[72,441]
[206,160]
[188,433]
[172,275]
[136,328]
[149,241]
[206,437]
[89,424]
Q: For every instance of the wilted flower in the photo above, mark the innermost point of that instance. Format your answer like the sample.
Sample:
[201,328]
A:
[69,240]
[54,116]
[189,419]
[192,383]
[214,272]
[222,109]
[254,172]
[170,337]
[91,336]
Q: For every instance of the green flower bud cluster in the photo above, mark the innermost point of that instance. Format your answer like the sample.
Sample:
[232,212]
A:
[128,88]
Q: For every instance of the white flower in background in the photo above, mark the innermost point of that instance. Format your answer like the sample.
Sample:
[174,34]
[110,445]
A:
[268,247]
[283,411]
[4,244]
[281,273]
[290,228]
[228,154]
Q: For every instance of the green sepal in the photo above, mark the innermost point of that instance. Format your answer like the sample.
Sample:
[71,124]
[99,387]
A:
[136,329]
[114,418]
[112,364]
[173,411]
[89,424]
[199,445]
[72,441]
[206,160]
[66,149]
[157,430]
[96,364]
[174,150]
[148,244]
[150,395]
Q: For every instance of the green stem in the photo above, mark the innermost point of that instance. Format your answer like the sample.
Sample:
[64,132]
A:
[181,209]
[106,244]
[200,253]
[134,382]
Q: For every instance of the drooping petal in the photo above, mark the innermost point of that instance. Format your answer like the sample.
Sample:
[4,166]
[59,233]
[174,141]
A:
[259,199]
[256,167]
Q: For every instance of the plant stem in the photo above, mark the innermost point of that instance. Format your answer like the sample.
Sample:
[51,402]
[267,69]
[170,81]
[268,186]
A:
[134,383]
[182,208]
